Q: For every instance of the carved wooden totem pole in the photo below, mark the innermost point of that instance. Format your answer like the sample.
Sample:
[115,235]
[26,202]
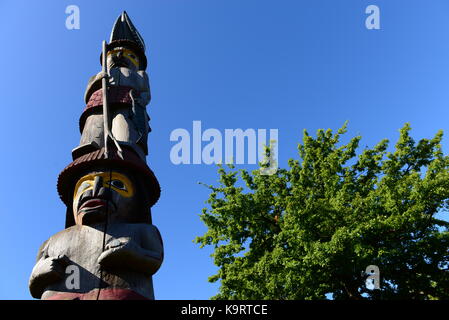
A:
[109,242]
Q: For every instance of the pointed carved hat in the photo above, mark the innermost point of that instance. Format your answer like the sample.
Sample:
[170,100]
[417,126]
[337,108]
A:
[124,34]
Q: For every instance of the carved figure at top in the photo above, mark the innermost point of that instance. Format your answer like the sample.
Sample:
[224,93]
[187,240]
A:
[128,94]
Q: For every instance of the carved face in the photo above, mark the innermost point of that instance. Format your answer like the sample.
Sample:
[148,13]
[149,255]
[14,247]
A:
[122,57]
[104,193]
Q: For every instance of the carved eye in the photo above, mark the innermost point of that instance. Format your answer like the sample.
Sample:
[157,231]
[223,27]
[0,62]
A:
[118,184]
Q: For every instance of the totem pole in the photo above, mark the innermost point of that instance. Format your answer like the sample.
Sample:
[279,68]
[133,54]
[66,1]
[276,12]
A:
[108,188]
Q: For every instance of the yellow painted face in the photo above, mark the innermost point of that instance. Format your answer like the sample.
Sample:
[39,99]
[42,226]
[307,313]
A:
[127,54]
[114,180]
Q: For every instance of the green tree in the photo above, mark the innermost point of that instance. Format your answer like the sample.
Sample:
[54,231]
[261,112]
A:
[312,229]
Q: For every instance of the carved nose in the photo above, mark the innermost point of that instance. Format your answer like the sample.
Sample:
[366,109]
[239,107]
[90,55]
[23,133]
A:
[98,184]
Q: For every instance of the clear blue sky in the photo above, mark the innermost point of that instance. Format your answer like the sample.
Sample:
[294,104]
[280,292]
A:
[287,65]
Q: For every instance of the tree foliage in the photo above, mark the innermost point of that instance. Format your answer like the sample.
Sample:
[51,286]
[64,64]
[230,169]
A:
[312,229]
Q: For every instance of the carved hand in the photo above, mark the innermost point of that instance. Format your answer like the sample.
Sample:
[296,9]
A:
[117,252]
[47,271]
[125,254]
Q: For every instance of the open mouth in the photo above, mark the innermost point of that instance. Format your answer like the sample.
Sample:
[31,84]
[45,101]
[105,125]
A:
[92,211]
[96,204]
[93,204]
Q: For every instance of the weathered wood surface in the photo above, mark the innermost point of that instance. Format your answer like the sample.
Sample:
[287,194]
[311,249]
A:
[133,252]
